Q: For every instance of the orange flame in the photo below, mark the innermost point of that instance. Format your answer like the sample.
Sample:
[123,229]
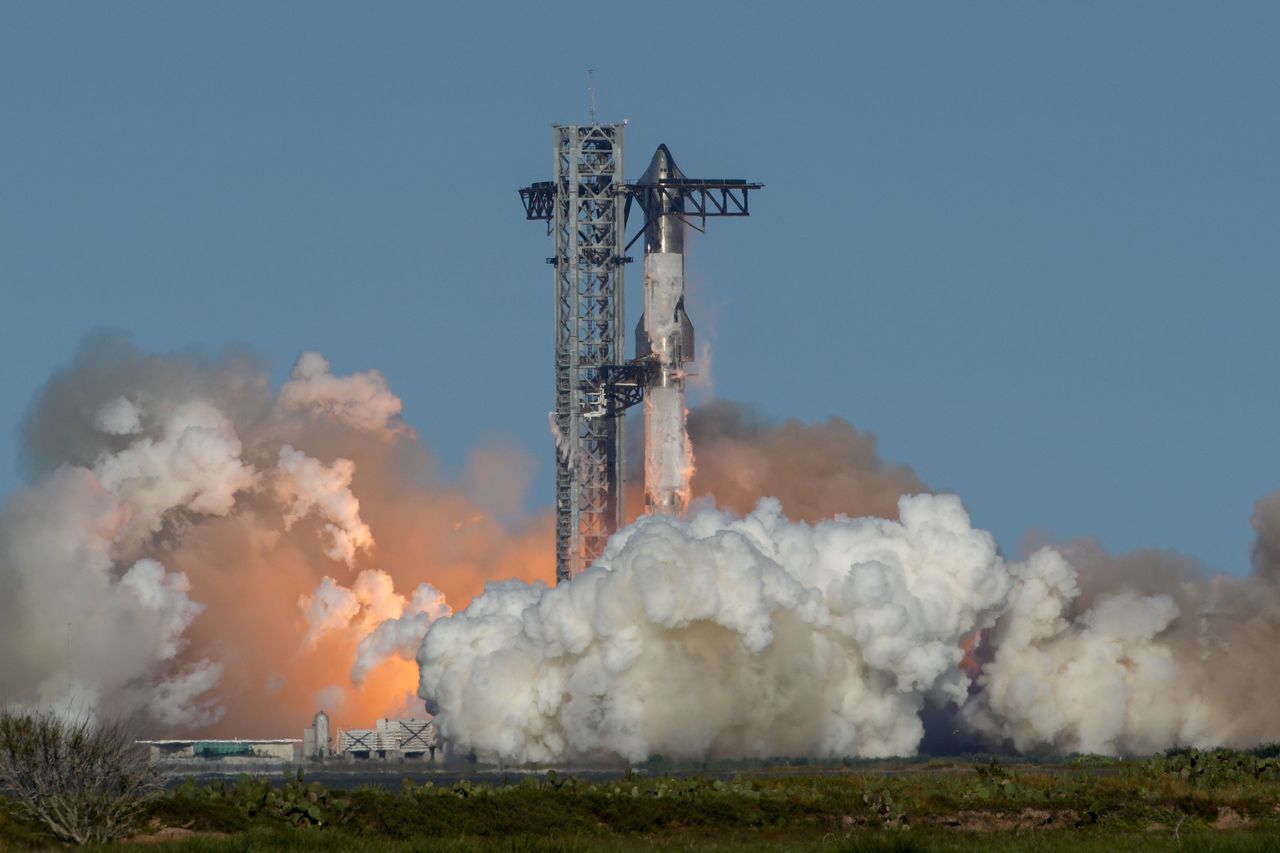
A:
[249,573]
[970,664]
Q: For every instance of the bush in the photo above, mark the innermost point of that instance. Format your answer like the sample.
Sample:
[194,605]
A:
[83,782]
[220,806]
[1213,768]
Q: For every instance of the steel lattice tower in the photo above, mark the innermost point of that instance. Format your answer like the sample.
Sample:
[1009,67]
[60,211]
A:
[586,205]
[586,208]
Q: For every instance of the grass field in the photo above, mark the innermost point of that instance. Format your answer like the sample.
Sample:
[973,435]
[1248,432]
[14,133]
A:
[1193,801]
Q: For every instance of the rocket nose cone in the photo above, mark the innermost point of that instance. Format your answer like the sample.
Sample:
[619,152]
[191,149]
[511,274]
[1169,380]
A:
[662,167]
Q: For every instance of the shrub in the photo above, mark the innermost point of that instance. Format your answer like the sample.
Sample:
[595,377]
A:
[82,781]
[1213,768]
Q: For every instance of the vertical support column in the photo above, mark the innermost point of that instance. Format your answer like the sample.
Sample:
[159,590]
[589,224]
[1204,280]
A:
[566,302]
[589,327]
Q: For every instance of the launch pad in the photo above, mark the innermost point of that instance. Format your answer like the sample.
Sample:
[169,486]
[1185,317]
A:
[586,206]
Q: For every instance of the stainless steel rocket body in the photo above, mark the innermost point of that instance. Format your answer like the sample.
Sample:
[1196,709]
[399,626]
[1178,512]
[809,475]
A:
[664,340]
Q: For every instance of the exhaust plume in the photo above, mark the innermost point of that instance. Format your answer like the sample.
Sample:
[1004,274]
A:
[215,556]
[80,628]
[180,511]
[1133,654]
[720,636]
[1080,652]
[304,484]
[817,471]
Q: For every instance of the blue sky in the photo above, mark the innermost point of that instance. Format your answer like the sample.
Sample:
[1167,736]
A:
[1032,246]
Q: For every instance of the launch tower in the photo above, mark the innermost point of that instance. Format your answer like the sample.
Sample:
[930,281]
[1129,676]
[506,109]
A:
[586,206]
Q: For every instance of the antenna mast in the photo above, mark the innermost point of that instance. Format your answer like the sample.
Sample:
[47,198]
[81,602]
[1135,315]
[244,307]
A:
[591,95]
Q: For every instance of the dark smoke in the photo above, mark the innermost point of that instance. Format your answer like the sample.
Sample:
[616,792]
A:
[817,471]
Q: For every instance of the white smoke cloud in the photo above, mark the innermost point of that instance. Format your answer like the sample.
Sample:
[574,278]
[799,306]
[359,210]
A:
[81,636]
[362,400]
[748,637]
[383,622]
[330,608]
[1105,682]
[369,602]
[119,417]
[141,454]
[182,699]
[146,570]
[193,463]
[400,636]
[306,485]
[764,637]
[165,595]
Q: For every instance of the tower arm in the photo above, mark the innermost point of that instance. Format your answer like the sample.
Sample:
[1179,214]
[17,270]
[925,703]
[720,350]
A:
[700,197]
[539,200]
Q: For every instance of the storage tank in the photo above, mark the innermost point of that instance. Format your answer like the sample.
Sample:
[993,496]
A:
[321,727]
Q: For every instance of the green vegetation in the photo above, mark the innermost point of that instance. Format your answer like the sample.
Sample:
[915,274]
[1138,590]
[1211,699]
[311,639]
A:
[1184,800]
[75,779]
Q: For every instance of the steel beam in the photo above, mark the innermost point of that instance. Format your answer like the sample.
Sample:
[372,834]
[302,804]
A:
[586,212]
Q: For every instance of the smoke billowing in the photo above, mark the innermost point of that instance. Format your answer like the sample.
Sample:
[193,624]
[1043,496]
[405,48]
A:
[1132,654]
[757,636]
[817,471]
[207,554]
[212,554]
[724,636]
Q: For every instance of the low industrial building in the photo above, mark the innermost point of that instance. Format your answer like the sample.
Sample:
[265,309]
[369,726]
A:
[278,751]
[390,740]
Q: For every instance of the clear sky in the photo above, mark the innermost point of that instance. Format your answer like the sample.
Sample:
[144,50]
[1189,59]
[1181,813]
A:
[1035,247]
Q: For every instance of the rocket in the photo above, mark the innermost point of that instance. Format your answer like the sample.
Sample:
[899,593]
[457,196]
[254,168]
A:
[587,207]
[664,341]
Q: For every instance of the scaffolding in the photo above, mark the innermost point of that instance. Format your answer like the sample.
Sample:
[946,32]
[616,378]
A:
[584,206]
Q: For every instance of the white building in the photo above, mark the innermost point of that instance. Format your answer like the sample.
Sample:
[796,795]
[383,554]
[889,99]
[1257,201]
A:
[275,751]
[391,739]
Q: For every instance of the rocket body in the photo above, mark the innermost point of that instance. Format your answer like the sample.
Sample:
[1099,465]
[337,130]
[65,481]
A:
[668,458]
[664,341]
